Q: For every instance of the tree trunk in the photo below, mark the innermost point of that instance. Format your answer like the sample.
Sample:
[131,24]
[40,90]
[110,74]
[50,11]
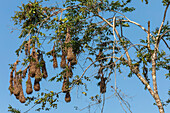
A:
[158,103]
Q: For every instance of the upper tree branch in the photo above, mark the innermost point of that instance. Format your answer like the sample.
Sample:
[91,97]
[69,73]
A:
[128,20]
[154,55]
[163,19]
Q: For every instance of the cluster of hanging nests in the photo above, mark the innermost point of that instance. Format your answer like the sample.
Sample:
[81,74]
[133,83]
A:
[37,70]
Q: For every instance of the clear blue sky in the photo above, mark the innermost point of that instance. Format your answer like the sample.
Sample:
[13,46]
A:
[140,100]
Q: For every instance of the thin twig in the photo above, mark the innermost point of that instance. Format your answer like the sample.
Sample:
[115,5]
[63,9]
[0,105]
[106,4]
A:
[23,43]
[30,108]
[166,44]
[164,39]
[164,33]
[103,103]
[121,99]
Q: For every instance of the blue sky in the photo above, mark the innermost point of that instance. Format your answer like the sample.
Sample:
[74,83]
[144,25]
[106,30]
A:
[140,99]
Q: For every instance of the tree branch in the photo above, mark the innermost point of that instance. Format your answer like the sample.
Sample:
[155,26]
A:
[163,19]
[164,39]
[128,20]
[148,38]
[166,44]
[164,33]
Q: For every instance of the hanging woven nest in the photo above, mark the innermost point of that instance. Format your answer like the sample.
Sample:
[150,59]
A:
[68,97]
[25,72]
[74,61]
[68,36]
[102,85]
[70,55]
[17,97]
[36,86]
[29,89]
[65,87]
[14,82]
[33,63]
[26,48]
[32,69]
[11,86]
[21,94]
[16,90]
[21,97]
[65,49]
[29,45]
[68,47]
[55,64]
[38,75]
[69,73]
[44,70]
[63,62]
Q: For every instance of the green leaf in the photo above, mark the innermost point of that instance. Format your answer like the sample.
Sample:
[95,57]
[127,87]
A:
[84,93]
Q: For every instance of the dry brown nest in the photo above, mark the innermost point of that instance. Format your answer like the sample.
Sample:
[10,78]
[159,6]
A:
[55,64]
[63,61]
[102,85]
[36,86]
[29,89]
[67,97]
[44,70]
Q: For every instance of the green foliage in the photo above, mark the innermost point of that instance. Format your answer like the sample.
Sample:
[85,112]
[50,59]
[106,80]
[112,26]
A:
[146,1]
[13,110]
[165,2]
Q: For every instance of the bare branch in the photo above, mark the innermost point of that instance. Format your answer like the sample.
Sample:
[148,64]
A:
[166,44]
[164,33]
[164,39]
[163,19]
